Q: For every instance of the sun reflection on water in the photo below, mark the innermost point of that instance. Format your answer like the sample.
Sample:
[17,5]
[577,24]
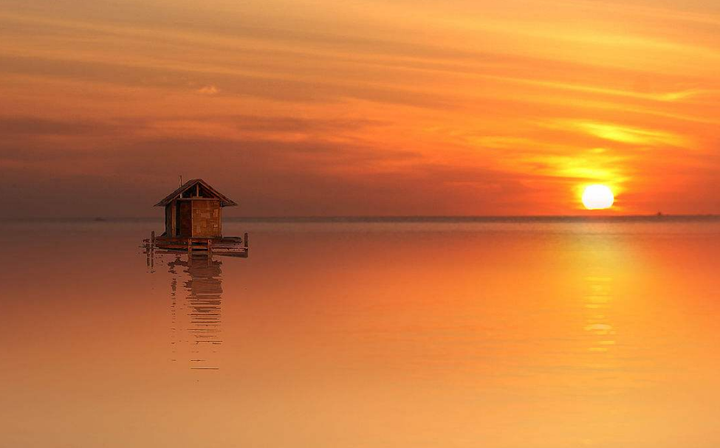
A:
[598,327]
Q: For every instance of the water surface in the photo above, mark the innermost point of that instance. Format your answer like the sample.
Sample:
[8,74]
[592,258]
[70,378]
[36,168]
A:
[358,334]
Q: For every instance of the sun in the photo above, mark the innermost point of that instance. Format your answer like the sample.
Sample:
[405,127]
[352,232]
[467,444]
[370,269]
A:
[597,197]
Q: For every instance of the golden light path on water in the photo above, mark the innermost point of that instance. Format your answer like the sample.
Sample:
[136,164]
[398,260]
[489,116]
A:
[515,334]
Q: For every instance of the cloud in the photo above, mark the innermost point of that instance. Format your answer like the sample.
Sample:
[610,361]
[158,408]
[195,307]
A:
[266,177]
[35,126]
[208,90]
[631,135]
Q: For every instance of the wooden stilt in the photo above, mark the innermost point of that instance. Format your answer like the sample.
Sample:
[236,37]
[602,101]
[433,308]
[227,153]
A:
[150,251]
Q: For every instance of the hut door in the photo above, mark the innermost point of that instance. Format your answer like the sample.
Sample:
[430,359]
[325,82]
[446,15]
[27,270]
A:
[184,218]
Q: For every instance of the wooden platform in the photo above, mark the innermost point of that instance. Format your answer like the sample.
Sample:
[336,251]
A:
[228,245]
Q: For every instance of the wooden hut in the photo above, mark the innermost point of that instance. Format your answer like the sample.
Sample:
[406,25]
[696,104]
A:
[194,210]
[193,221]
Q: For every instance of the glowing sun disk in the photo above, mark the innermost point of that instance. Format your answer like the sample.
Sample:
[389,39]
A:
[597,197]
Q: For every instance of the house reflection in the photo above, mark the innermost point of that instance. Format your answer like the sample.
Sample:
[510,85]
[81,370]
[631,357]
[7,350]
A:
[196,310]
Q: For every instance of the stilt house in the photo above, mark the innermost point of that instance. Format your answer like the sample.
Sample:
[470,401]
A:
[194,211]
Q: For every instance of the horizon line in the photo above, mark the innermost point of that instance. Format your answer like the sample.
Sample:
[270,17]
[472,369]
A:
[391,218]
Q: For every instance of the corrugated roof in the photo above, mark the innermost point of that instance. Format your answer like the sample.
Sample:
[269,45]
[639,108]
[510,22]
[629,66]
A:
[224,200]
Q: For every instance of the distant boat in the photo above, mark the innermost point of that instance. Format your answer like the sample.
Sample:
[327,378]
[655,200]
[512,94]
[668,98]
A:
[98,219]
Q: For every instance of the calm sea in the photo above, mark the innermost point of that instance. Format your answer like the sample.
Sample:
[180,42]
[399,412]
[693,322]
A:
[493,334]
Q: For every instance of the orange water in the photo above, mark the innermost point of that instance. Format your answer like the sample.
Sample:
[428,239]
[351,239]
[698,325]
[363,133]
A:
[363,335]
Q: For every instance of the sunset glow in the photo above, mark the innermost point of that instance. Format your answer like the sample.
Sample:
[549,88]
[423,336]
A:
[314,107]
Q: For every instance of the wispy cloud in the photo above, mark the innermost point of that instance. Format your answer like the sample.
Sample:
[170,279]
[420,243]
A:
[626,134]
[208,90]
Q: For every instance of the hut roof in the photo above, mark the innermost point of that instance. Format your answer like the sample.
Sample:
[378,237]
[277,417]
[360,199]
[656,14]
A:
[224,200]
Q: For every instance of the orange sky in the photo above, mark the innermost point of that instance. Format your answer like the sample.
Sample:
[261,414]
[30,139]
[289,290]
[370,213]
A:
[470,107]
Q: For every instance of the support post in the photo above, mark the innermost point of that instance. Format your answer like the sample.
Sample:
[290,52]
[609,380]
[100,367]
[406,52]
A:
[151,250]
[189,246]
